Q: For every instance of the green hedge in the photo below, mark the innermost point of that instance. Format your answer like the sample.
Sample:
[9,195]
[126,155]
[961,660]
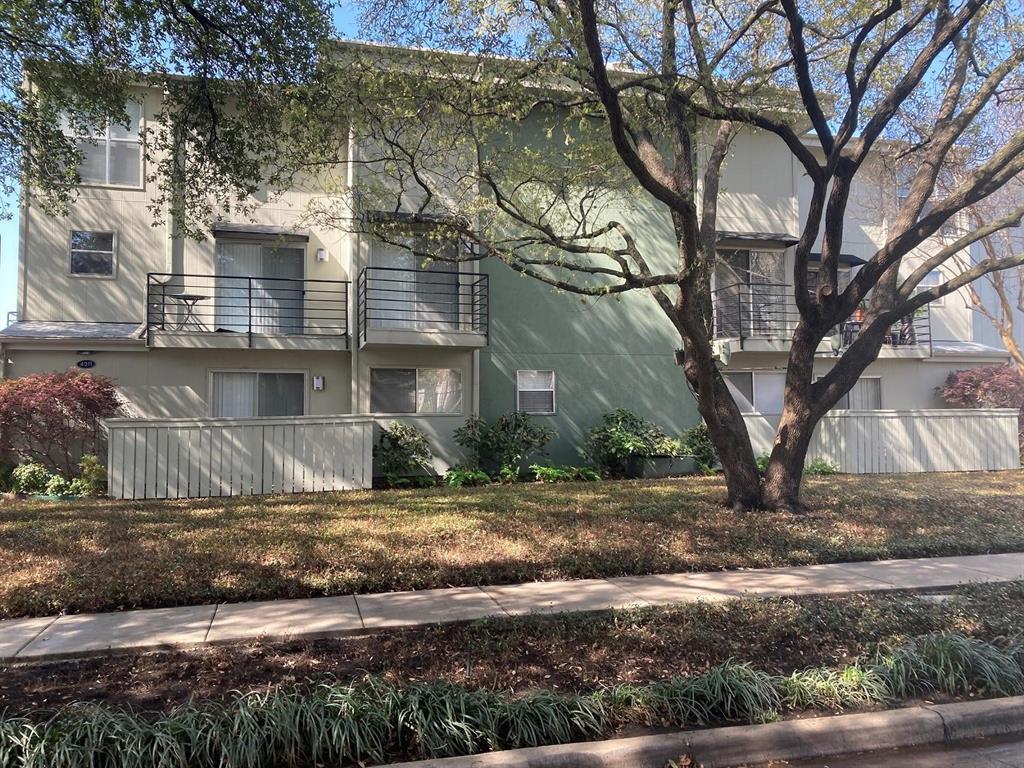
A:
[372,721]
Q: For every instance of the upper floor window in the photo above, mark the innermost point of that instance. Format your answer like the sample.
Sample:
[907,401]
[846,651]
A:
[92,253]
[932,280]
[112,155]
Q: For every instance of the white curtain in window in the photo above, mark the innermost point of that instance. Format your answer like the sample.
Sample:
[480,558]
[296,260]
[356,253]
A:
[235,394]
[392,289]
[438,390]
[866,395]
[275,303]
[407,294]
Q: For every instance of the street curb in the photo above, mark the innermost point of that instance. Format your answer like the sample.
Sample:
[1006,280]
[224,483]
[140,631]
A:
[754,744]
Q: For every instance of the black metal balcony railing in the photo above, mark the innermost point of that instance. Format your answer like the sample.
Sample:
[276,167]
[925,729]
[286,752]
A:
[768,311]
[390,298]
[759,310]
[272,306]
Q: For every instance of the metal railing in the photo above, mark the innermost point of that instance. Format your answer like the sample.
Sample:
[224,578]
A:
[754,310]
[914,330]
[768,311]
[189,304]
[391,298]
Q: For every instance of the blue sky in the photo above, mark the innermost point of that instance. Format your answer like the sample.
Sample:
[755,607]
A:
[344,23]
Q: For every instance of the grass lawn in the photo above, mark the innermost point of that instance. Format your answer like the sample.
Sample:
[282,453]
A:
[105,555]
[569,653]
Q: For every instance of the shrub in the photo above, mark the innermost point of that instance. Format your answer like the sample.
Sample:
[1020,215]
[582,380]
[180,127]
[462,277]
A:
[403,451]
[990,386]
[623,436]
[505,444]
[60,486]
[92,476]
[815,466]
[820,466]
[697,443]
[460,477]
[31,478]
[563,474]
[52,418]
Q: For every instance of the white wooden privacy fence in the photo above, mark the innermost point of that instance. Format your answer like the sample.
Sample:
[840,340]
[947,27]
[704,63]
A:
[183,458]
[878,442]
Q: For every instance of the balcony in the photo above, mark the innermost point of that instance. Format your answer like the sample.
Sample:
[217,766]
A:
[422,307]
[245,311]
[761,317]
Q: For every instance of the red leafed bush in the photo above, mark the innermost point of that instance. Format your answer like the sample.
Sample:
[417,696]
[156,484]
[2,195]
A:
[54,418]
[991,386]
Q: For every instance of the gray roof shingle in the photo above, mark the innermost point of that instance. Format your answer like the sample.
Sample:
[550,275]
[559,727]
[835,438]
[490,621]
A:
[70,331]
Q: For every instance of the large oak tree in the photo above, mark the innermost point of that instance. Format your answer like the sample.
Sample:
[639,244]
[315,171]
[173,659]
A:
[540,115]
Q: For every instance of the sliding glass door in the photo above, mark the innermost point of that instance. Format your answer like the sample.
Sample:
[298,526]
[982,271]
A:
[259,288]
[408,294]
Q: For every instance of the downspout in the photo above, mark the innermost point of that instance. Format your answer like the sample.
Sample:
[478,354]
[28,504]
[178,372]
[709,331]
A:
[354,265]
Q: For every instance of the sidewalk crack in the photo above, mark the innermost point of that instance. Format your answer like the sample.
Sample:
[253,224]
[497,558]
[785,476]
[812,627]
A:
[206,637]
[35,637]
[494,600]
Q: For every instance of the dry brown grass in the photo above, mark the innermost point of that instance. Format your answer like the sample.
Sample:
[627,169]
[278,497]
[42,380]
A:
[105,555]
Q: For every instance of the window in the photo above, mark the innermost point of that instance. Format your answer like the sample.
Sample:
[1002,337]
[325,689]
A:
[112,154]
[931,280]
[415,390]
[866,395]
[258,393]
[757,391]
[406,293]
[259,287]
[535,391]
[92,253]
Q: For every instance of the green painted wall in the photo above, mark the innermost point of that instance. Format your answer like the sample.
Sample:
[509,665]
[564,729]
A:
[606,354]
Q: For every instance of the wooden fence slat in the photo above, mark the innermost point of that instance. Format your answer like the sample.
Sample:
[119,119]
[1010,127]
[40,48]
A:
[933,440]
[178,458]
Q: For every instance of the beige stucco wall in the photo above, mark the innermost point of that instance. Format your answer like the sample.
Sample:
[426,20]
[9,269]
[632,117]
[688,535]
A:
[174,383]
[47,291]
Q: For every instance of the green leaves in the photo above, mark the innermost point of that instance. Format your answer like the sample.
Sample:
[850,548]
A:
[375,721]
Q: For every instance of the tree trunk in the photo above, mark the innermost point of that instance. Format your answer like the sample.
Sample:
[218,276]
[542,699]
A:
[728,432]
[780,491]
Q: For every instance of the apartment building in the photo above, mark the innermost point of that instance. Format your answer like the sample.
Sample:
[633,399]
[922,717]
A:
[270,317]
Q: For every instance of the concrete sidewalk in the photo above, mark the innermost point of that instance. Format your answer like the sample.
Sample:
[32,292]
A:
[83,634]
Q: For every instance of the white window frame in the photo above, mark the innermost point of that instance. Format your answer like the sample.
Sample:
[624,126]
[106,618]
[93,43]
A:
[881,395]
[754,373]
[103,139]
[553,391]
[209,388]
[416,386]
[113,254]
[922,286]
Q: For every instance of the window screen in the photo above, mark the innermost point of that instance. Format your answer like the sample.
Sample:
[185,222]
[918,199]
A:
[92,253]
[535,391]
